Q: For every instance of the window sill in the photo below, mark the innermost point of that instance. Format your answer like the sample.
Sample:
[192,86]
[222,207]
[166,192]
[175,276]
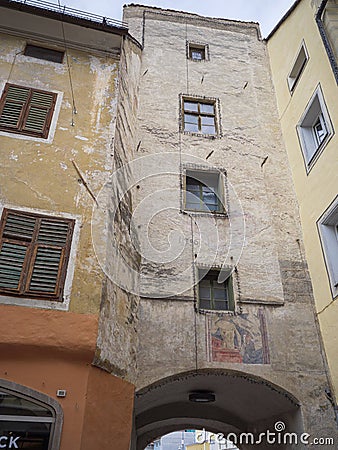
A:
[10,134]
[207,136]
[33,303]
[196,212]
[312,161]
[198,60]
[227,312]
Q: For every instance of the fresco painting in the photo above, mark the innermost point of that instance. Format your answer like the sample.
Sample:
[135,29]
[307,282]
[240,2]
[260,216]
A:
[239,339]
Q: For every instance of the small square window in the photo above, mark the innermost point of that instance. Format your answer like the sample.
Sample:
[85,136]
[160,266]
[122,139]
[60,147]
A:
[328,230]
[197,52]
[204,191]
[47,54]
[314,128]
[199,116]
[215,290]
[34,252]
[298,67]
[26,111]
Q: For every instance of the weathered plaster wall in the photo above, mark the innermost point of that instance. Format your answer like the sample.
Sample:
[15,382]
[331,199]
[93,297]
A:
[46,349]
[117,340]
[40,175]
[272,277]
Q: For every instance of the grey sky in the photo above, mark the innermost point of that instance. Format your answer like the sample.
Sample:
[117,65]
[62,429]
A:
[266,12]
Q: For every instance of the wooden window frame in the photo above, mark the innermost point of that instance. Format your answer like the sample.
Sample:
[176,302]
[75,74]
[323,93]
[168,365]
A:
[199,114]
[212,275]
[23,289]
[19,128]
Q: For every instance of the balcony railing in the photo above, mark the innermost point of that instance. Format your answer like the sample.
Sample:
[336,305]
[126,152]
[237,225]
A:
[70,12]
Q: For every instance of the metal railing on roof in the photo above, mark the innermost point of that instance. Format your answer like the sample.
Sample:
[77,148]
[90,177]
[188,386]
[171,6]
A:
[71,12]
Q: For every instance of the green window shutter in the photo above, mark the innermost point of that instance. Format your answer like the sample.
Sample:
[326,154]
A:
[26,111]
[19,226]
[48,256]
[12,260]
[39,111]
[34,254]
[46,270]
[53,232]
[12,107]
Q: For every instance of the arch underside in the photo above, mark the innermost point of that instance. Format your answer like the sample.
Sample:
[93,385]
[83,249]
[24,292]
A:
[243,403]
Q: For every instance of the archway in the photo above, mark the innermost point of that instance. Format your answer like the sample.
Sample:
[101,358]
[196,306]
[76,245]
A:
[237,403]
[191,440]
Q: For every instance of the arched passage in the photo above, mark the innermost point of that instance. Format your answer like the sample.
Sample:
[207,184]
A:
[242,403]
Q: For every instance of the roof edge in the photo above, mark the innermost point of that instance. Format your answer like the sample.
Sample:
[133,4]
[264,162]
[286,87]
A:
[176,11]
[286,15]
[65,15]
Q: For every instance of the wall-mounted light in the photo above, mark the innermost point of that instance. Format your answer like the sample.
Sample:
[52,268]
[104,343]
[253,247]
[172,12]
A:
[202,397]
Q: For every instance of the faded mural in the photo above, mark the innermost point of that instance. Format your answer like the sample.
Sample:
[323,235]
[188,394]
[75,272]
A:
[239,339]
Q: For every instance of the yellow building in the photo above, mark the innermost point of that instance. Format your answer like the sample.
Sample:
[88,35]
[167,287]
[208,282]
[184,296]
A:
[58,109]
[204,446]
[303,56]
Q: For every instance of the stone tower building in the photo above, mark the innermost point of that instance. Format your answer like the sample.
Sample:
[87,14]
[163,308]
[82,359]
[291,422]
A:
[207,126]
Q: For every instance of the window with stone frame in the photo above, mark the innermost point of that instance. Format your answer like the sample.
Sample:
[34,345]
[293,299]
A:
[197,52]
[199,116]
[215,290]
[34,253]
[26,111]
[204,191]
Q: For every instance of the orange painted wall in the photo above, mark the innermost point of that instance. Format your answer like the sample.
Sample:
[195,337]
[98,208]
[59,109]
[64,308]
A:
[109,412]
[50,350]
[63,331]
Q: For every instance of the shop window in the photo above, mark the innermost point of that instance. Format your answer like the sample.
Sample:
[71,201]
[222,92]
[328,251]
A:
[298,67]
[328,230]
[47,54]
[215,292]
[204,191]
[34,252]
[26,422]
[199,116]
[314,128]
[26,111]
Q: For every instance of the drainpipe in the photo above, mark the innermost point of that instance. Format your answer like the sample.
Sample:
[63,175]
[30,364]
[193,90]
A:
[326,42]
